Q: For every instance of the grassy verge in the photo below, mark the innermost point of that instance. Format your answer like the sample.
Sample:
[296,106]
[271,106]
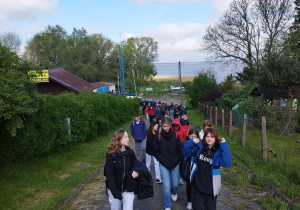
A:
[281,171]
[47,182]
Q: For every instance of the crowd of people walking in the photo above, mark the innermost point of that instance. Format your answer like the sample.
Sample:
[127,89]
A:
[177,150]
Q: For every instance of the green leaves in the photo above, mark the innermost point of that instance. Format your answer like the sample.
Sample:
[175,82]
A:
[18,95]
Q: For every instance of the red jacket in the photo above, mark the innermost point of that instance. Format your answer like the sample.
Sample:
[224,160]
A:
[181,132]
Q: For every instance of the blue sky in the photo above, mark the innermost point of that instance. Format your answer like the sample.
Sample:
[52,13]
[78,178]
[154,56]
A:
[177,25]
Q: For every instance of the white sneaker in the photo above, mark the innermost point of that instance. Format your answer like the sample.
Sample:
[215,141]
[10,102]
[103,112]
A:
[174,197]
[189,206]
[167,209]
[181,181]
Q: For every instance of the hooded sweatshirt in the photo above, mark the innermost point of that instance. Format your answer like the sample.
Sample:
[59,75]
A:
[181,132]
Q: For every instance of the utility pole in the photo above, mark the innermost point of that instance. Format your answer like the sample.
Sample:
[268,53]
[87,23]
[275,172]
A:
[179,71]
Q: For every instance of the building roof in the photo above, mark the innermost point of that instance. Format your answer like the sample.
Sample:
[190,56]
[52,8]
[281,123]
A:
[102,84]
[69,80]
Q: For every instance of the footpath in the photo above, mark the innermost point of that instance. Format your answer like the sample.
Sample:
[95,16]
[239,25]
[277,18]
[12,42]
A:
[92,195]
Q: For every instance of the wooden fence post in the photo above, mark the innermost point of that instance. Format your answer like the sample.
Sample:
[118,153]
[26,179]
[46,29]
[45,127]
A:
[244,130]
[264,138]
[210,114]
[230,124]
[207,111]
[223,119]
[216,116]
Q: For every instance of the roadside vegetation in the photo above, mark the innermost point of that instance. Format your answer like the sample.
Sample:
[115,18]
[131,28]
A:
[281,172]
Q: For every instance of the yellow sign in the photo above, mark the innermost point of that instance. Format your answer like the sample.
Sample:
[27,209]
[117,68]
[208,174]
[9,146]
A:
[39,76]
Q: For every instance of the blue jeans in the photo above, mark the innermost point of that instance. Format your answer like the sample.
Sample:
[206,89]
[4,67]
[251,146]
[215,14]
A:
[170,183]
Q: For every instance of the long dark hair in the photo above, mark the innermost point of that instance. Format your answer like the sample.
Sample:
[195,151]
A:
[193,131]
[149,131]
[214,133]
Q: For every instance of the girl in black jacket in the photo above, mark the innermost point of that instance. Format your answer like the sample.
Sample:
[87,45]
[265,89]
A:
[151,137]
[167,150]
[118,168]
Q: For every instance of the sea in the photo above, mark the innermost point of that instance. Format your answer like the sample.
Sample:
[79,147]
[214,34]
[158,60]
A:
[220,69]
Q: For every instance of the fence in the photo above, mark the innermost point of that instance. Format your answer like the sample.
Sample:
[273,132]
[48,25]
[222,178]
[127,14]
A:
[225,120]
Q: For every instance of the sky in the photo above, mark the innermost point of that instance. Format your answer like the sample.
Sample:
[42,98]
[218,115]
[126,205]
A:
[177,25]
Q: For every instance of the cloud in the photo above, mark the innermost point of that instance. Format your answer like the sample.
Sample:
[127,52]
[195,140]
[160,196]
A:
[219,7]
[25,10]
[178,41]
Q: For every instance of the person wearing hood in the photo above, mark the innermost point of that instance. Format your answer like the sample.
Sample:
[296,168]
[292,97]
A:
[176,111]
[167,150]
[176,126]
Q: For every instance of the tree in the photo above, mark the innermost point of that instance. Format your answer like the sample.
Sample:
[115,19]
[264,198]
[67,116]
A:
[228,83]
[90,57]
[46,46]
[139,55]
[280,76]
[18,94]
[201,85]
[12,41]
[246,30]
[293,40]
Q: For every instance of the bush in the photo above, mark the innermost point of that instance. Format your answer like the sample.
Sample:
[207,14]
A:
[90,114]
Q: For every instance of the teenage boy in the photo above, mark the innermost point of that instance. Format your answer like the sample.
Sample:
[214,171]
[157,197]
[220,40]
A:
[138,130]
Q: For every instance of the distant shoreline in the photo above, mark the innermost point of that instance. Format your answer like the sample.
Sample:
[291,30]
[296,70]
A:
[184,78]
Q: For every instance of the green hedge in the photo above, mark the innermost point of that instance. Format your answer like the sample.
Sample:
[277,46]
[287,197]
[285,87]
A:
[45,132]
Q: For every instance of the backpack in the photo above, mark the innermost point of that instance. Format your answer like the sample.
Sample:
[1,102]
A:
[186,166]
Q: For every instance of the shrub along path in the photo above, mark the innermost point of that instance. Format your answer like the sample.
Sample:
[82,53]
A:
[93,196]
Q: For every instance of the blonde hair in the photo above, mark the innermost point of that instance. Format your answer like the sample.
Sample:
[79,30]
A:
[115,142]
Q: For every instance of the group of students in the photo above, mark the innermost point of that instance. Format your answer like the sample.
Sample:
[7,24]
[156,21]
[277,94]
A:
[168,148]
[160,110]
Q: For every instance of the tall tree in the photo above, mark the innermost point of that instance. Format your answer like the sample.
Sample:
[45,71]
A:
[139,55]
[247,29]
[18,94]
[280,76]
[45,46]
[294,34]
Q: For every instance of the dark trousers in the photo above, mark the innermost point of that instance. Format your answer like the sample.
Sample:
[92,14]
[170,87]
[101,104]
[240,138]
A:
[201,201]
[188,190]
[151,118]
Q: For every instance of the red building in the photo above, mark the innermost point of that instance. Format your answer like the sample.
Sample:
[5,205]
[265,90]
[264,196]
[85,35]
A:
[61,81]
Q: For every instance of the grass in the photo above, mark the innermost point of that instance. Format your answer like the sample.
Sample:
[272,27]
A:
[47,182]
[281,171]
[184,78]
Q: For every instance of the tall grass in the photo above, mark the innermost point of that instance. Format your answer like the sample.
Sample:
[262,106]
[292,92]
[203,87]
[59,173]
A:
[47,182]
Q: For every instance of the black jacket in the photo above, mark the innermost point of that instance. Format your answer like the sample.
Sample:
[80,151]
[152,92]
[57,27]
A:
[150,144]
[167,150]
[143,185]
[117,173]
